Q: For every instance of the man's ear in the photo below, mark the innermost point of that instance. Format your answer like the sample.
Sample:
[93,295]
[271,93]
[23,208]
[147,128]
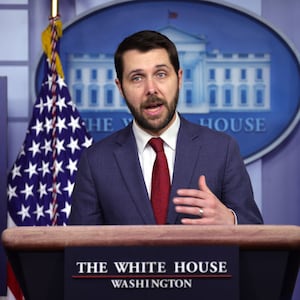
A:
[180,72]
[118,83]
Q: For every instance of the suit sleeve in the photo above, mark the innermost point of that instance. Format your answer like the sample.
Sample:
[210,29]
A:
[237,193]
[85,206]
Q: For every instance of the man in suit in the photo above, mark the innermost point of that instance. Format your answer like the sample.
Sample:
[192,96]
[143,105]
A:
[209,183]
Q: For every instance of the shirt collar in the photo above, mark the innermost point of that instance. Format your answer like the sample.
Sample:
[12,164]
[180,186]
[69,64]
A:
[169,136]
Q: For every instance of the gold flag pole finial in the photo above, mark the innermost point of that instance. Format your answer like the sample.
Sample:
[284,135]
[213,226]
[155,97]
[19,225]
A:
[48,38]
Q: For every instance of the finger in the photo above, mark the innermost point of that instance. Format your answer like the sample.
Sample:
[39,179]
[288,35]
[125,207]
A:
[190,210]
[188,192]
[202,184]
[188,201]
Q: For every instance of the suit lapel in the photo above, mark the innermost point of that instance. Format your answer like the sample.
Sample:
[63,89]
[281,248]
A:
[128,161]
[187,154]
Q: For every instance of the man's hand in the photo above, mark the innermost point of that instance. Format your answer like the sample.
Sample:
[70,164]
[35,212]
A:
[202,203]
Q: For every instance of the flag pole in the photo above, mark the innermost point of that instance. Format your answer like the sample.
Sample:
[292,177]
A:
[54,8]
[54,38]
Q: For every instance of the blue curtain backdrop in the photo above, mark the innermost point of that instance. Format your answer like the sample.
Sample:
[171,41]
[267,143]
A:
[278,170]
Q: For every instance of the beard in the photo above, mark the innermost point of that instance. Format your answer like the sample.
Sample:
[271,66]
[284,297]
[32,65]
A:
[155,124]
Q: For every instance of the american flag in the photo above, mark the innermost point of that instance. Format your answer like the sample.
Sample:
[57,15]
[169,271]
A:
[30,182]
[30,186]
[41,180]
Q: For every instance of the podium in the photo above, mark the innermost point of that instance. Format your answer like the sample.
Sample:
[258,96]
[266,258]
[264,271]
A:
[269,256]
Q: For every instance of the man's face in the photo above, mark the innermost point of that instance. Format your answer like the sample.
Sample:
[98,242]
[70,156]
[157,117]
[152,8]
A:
[151,88]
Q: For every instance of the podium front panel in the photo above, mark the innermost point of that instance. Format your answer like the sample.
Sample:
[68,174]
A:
[128,273]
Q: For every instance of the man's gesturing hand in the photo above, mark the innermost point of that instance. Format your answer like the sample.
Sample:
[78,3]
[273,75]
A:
[204,204]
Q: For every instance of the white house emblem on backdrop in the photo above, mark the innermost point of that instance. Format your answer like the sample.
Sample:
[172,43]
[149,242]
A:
[240,75]
[213,81]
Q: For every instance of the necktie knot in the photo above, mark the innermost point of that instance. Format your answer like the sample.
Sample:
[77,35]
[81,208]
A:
[157,144]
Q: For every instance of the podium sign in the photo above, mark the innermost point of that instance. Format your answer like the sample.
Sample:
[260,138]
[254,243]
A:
[78,262]
[147,272]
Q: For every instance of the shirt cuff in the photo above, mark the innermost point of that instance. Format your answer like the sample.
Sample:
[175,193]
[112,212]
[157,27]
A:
[235,217]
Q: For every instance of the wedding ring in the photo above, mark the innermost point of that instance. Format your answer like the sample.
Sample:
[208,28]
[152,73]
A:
[201,212]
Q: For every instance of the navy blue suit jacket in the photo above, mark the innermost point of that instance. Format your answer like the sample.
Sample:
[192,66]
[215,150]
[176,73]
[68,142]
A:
[110,188]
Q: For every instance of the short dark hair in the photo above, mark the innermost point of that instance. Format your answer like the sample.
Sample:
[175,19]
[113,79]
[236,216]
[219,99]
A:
[144,41]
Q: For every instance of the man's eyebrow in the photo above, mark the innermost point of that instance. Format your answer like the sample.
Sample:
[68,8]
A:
[135,71]
[162,66]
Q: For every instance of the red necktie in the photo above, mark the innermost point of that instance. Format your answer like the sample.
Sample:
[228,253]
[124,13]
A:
[160,189]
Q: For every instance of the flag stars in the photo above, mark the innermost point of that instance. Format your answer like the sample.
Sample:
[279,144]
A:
[35,148]
[38,127]
[52,210]
[72,166]
[41,180]
[39,211]
[61,103]
[11,192]
[56,188]
[48,125]
[47,146]
[45,168]
[73,145]
[15,171]
[24,212]
[87,142]
[40,105]
[49,81]
[61,82]
[70,103]
[49,103]
[27,191]
[31,169]
[74,123]
[58,167]
[60,124]
[69,188]
[42,190]
[67,209]
[60,146]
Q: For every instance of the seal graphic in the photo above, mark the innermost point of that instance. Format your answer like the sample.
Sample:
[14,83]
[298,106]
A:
[241,76]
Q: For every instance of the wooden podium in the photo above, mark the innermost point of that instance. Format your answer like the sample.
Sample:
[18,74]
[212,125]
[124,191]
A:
[269,256]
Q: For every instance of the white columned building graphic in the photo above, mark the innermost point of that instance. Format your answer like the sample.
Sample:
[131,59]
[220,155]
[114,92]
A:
[213,81]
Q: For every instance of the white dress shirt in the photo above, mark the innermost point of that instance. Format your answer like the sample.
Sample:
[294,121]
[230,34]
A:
[147,155]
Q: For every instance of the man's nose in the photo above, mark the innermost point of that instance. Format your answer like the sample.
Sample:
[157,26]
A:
[150,87]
